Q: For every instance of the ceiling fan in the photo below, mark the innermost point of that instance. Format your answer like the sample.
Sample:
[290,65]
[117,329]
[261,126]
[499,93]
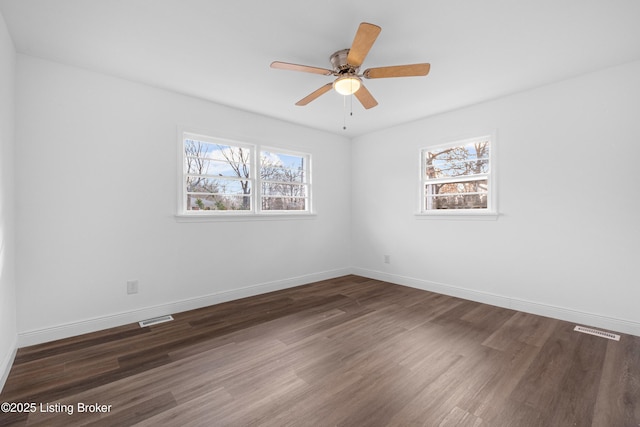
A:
[346,66]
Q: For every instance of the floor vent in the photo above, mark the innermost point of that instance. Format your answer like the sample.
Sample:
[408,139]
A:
[155,321]
[597,333]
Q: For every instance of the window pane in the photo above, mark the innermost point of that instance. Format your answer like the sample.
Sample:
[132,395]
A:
[217,202]
[469,159]
[282,167]
[278,189]
[198,184]
[288,161]
[445,169]
[205,158]
[462,187]
[457,195]
[201,166]
[284,203]
[208,150]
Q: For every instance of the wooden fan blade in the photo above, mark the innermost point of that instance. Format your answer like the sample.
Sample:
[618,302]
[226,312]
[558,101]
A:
[303,68]
[397,71]
[366,99]
[315,94]
[362,42]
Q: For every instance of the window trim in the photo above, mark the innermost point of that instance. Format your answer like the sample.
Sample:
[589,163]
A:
[256,212]
[491,212]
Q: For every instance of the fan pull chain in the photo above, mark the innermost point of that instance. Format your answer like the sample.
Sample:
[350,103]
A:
[344,109]
[344,113]
[351,105]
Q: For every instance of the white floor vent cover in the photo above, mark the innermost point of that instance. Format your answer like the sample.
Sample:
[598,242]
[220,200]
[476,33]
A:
[597,333]
[155,321]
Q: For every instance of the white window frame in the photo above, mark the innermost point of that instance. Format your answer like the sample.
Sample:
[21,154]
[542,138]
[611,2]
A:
[488,213]
[255,211]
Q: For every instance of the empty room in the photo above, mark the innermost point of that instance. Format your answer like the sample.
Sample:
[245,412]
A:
[330,213]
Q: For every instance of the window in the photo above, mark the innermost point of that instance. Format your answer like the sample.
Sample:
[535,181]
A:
[284,182]
[457,177]
[219,177]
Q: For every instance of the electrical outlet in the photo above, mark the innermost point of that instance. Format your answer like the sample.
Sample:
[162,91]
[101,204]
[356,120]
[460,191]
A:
[387,259]
[132,287]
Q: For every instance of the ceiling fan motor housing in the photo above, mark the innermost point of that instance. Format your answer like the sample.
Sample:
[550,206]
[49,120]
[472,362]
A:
[340,65]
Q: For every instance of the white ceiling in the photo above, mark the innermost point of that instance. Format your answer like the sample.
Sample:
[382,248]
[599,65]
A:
[221,50]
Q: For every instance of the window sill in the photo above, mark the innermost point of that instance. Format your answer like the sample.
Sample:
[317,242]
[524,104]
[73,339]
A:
[459,215]
[235,217]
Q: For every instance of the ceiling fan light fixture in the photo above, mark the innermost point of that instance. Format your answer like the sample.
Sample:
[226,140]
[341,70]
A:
[347,85]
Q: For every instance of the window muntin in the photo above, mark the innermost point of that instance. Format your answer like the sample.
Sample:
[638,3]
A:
[219,177]
[457,177]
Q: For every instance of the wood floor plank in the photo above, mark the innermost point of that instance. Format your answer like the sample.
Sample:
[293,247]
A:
[67,345]
[200,411]
[496,393]
[348,351]
[619,385]
[460,418]
[584,373]
[540,385]
[523,327]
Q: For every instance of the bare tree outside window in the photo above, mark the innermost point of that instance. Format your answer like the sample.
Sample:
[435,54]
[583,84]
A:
[238,159]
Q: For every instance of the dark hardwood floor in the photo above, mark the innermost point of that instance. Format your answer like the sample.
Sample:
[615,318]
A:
[344,352]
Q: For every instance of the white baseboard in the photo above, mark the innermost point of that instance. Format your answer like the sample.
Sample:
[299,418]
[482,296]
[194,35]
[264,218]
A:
[7,362]
[570,315]
[52,333]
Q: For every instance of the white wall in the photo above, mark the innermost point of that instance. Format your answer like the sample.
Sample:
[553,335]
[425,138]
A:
[7,246]
[96,188]
[568,239]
